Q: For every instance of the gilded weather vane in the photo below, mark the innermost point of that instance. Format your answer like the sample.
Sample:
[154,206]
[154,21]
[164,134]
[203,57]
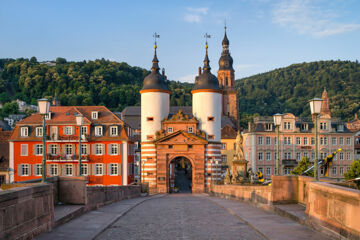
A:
[155,37]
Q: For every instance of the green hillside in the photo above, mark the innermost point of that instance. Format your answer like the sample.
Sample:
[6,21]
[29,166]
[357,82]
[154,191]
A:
[289,89]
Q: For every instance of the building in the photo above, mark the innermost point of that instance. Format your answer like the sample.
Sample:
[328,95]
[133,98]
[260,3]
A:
[4,155]
[12,119]
[354,126]
[228,139]
[297,140]
[106,147]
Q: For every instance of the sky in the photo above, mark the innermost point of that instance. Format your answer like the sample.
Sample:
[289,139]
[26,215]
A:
[263,34]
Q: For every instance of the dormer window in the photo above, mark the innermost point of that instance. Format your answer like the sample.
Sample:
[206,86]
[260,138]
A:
[94,115]
[170,129]
[268,126]
[24,131]
[48,116]
[98,131]
[39,131]
[190,129]
[113,131]
[340,128]
[287,125]
[323,126]
[304,127]
[68,130]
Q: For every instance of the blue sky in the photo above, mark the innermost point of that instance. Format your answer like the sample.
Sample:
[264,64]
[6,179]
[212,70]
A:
[263,34]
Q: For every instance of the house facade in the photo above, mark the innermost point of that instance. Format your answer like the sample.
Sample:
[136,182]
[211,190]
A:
[107,151]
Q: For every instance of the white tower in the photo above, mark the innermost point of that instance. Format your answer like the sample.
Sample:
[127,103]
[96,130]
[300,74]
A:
[207,102]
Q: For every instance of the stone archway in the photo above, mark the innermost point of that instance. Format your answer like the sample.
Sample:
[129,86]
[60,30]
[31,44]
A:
[180,175]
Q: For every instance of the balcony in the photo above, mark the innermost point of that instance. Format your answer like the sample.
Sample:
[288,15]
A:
[66,138]
[289,162]
[66,158]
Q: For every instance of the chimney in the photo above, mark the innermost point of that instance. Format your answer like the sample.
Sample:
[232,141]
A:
[199,71]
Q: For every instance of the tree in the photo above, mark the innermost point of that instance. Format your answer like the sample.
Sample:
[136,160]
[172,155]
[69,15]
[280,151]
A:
[302,166]
[4,97]
[9,108]
[354,172]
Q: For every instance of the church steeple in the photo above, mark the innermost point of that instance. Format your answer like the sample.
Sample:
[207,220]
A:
[225,61]
[325,108]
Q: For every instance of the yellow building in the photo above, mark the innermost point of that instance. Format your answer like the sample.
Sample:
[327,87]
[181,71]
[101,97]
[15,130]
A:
[228,137]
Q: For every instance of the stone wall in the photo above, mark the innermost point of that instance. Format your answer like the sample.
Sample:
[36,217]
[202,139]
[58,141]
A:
[256,194]
[284,189]
[25,212]
[72,190]
[334,207]
[97,196]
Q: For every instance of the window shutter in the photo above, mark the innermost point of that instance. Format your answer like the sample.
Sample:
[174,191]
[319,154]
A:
[109,148]
[72,130]
[19,169]
[103,149]
[48,167]
[104,129]
[73,148]
[119,150]
[93,169]
[62,170]
[34,168]
[88,149]
[108,170]
[93,146]
[57,149]
[119,169]
[48,148]
[63,149]
[34,149]
[119,130]
[75,169]
[104,168]
[29,167]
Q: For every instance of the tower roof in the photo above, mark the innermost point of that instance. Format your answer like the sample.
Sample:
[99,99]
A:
[325,108]
[206,80]
[225,61]
[155,80]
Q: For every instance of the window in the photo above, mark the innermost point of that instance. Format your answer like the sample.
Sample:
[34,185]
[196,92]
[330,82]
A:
[190,146]
[323,141]
[287,140]
[98,131]
[287,171]
[348,141]
[303,127]
[170,146]
[298,156]
[85,169]
[84,149]
[211,137]
[306,154]
[323,125]
[312,156]
[53,149]
[341,156]
[275,140]
[38,149]
[305,141]
[54,171]
[48,116]
[190,129]
[223,145]
[84,130]
[287,155]
[312,141]
[268,126]
[298,142]
[114,149]
[39,131]
[68,169]
[38,170]
[68,130]
[25,171]
[98,149]
[287,125]
[341,141]
[114,169]
[149,119]
[323,155]
[68,149]
[210,119]
[275,155]
[261,169]
[268,171]
[98,169]
[268,140]
[341,170]
[223,158]
[334,171]
[340,128]
[24,150]
[260,156]
[113,130]
[149,137]
[322,171]
[348,155]
[170,129]
[333,141]
[94,115]
[260,140]
[24,131]
[268,156]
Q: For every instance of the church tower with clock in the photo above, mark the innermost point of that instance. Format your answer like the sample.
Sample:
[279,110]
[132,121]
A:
[226,76]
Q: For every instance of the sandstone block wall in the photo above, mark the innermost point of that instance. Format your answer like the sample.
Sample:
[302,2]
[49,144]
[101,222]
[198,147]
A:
[25,212]
[72,190]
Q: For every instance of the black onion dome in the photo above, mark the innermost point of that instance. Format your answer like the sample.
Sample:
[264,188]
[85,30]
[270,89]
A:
[206,80]
[225,41]
[225,61]
[155,80]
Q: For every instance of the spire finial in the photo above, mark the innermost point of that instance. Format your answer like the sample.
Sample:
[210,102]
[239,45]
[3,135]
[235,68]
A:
[225,25]
[155,37]
[155,66]
[206,60]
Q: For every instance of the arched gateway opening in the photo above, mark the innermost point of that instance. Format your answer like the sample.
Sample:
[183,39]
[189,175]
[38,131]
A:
[180,175]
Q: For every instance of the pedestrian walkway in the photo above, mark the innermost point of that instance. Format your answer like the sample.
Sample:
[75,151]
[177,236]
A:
[182,216]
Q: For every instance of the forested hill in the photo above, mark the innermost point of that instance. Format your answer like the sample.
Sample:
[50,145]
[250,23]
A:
[116,85]
[289,89]
[100,82]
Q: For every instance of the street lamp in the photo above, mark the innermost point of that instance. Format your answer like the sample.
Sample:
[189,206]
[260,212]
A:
[43,108]
[315,107]
[277,121]
[143,170]
[79,122]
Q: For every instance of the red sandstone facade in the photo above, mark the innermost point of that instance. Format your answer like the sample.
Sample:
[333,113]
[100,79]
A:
[106,150]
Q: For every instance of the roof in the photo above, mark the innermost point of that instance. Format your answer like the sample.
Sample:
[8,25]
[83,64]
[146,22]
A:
[4,126]
[195,138]
[228,132]
[206,80]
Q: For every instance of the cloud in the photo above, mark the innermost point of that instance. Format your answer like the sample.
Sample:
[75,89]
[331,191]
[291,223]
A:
[304,17]
[195,15]
[188,78]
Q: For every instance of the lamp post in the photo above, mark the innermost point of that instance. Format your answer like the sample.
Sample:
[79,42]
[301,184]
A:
[315,107]
[277,121]
[79,122]
[142,170]
[43,108]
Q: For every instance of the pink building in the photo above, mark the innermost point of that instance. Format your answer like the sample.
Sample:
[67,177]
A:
[297,139]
